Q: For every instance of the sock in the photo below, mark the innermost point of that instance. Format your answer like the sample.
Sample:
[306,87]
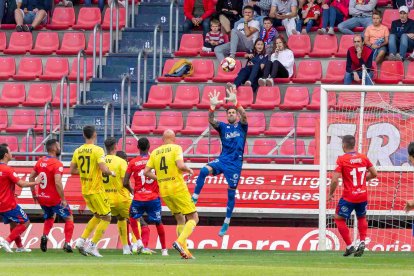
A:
[100,230]
[17,231]
[231,201]
[122,229]
[343,230]
[145,234]
[48,225]
[18,242]
[362,228]
[200,180]
[128,232]
[135,225]
[161,234]
[179,230]
[188,229]
[94,221]
[69,226]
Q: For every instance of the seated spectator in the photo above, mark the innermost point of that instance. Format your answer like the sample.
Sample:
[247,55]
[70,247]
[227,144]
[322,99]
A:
[310,15]
[32,12]
[65,3]
[376,37]
[261,10]
[198,12]
[402,35]
[333,14]
[357,56]
[284,12]
[279,64]
[361,13]
[228,13]
[268,34]
[213,37]
[249,74]
[242,36]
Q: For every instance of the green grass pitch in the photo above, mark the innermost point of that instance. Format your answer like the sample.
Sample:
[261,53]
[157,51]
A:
[208,262]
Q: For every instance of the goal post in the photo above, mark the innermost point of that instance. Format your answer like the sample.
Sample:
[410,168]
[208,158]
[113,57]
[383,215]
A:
[366,111]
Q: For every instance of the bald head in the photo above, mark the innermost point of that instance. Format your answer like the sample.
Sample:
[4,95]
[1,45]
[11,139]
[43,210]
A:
[168,137]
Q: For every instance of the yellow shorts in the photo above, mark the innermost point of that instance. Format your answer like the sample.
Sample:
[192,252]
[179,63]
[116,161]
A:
[98,203]
[180,203]
[121,209]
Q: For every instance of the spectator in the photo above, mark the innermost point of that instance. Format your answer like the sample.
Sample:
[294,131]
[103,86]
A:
[101,4]
[333,14]
[376,37]
[279,65]
[242,36]
[310,15]
[402,35]
[229,11]
[198,12]
[261,10]
[213,37]
[249,74]
[32,12]
[268,34]
[361,13]
[357,56]
[284,12]
[65,3]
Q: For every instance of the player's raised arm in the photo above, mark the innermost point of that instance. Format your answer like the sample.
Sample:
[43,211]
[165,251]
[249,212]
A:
[334,184]
[22,183]
[232,97]
[214,101]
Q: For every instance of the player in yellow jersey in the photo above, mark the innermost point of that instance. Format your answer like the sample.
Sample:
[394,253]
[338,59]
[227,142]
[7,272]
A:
[167,160]
[89,162]
[119,197]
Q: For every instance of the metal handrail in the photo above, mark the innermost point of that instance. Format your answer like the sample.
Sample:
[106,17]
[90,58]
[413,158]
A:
[171,24]
[132,13]
[78,92]
[30,132]
[139,98]
[64,118]
[97,28]
[111,24]
[48,106]
[124,120]
[154,70]
[106,107]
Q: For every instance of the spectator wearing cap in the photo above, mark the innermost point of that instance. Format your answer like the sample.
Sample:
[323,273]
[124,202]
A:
[198,13]
[402,36]
[361,12]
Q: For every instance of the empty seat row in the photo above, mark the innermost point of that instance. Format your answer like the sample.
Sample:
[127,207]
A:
[22,120]
[16,146]
[48,43]
[31,68]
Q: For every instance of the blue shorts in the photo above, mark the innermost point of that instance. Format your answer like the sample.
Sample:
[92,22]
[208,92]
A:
[345,208]
[152,208]
[16,215]
[231,173]
[58,209]
[29,17]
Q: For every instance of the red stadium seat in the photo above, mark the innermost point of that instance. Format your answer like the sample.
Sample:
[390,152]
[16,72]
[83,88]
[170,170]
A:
[186,97]
[13,94]
[244,96]
[185,143]
[281,123]
[30,68]
[4,119]
[262,147]
[40,120]
[170,120]
[291,147]
[46,43]
[19,43]
[392,72]
[63,18]
[74,70]
[212,54]
[155,142]
[190,45]
[315,103]
[300,45]
[306,124]
[8,67]
[12,141]
[205,99]
[144,122]
[160,96]
[335,72]
[311,152]
[286,80]
[403,100]
[88,18]
[107,18]
[348,101]
[296,98]
[409,76]
[257,123]
[3,41]
[204,146]
[24,148]
[72,95]
[169,63]
[383,3]
[55,69]
[309,71]
[39,94]
[203,71]
[22,120]
[389,16]
[72,43]
[344,44]
[105,44]
[267,98]
[324,46]
[130,145]
[196,123]
[222,76]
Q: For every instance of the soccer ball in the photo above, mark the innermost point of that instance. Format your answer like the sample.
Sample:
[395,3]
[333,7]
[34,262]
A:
[228,64]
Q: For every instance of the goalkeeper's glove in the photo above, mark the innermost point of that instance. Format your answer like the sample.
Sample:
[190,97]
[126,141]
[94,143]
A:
[214,101]
[231,93]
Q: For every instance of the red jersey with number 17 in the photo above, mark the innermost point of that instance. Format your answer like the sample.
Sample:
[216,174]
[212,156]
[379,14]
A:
[48,167]
[145,189]
[8,179]
[353,166]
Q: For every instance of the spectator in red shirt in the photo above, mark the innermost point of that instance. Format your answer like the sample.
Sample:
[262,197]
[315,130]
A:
[357,56]
[198,12]
[310,16]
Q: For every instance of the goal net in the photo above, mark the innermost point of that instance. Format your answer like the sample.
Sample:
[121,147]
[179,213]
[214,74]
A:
[382,119]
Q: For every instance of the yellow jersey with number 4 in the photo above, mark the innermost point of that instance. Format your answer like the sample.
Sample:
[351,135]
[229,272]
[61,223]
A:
[87,157]
[170,179]
[114,187]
